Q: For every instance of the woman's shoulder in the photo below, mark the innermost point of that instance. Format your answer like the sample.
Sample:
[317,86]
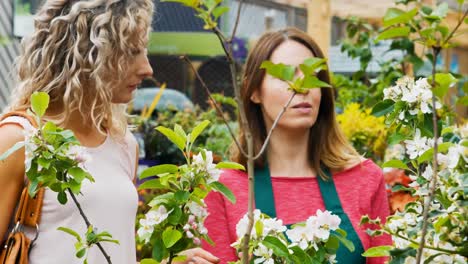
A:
[232,177]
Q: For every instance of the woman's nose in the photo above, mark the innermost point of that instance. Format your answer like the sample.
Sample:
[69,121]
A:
[145,70]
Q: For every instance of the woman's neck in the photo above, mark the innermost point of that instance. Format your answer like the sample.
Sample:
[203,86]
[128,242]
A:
[84,130]
[288,153]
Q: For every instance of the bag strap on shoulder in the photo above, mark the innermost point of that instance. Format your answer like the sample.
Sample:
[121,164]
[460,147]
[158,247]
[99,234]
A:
[29,208]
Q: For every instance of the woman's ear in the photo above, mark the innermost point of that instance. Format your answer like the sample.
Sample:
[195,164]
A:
[255,97]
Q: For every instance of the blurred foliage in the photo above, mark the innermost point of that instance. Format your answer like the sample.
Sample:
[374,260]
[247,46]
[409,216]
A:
[367,133]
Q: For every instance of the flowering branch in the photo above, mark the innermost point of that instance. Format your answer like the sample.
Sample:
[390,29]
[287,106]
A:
[435,54]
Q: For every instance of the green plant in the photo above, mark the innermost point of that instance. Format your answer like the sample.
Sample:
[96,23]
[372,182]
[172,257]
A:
[55,160]
[175,221]
[433,228]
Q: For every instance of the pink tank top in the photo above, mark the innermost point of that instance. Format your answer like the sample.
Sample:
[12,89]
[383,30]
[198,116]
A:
[110,204]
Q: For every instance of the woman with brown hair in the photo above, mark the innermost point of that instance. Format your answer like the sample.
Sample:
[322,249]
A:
[308,164]
[89,56]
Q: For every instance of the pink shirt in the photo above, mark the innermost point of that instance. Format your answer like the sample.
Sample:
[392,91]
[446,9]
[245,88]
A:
[361,190]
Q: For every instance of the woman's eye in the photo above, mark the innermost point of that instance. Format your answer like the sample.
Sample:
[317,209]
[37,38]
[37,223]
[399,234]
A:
[136,51]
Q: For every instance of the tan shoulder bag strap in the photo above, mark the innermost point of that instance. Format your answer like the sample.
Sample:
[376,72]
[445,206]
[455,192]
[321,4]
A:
[29,208]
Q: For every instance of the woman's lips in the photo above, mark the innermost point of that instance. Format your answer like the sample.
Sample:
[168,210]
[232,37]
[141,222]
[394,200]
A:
[303,108]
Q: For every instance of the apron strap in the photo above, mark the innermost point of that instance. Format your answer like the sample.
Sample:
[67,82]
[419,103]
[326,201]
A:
[264,197]
[265,201]
[329,194]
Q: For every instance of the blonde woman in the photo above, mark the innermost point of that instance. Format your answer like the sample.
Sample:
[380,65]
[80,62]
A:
[89,56]
[308,164]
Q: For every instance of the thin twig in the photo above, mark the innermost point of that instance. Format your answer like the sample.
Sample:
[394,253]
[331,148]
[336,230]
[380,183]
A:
[88,224]
[426,246]
[259,154]
[427,203]
[247,134]
[250,215]
[223,41]
[236,24]
[218,109]
[456,27]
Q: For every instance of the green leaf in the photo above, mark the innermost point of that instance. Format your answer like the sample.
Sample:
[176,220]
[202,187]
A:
[159,250]
[159,169]
[175,216]
[182,196]
[198,130]
[341,232]
[314,82]
[81,253]
[74,186]
[259,228]
[380,251]
[78,173]
[70,232]
[230,165]
[461,101]
[148,261]
[62,197]
[11,150]
[152,184]
[219,11]
[333,243]
[278,247]
[398,16]
[396,138]
[304,258]
[224,190]
[395,164]
[180,131]
[443,82]
[170,236]
[173,137]
[189,3]
[383,108]
[347,243]
[39,103]
[281,71]
[428,154]
[44,163]
[312,65]
[394,32]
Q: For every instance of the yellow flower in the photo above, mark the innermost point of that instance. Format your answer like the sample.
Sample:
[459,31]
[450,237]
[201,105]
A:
[367,133]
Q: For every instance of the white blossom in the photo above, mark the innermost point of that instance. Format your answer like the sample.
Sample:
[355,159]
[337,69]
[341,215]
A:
[416,147]
[417,94]
[79,154]
[29,146]
[197,210]
[264,254]
[451,159]
[152,218]
[327,220]
[207,165]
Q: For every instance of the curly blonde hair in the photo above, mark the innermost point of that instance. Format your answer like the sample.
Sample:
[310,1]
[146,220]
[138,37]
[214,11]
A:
[79,51]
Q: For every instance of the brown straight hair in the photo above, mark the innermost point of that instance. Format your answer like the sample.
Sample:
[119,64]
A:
[327,144]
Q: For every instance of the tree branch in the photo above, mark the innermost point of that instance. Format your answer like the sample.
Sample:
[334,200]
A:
[218,109]
[236,24]
[427,202]
[259,154]
[88,224]
[426,246]
[456,27]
